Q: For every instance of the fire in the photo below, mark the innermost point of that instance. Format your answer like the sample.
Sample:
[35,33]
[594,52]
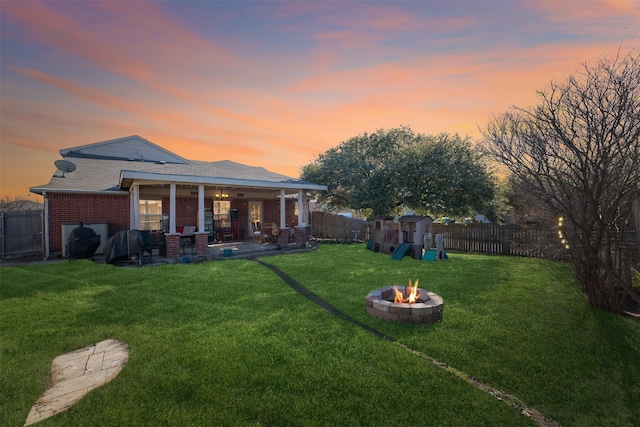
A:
[411,292]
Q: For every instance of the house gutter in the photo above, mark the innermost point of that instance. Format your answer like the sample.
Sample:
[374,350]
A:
[43,191]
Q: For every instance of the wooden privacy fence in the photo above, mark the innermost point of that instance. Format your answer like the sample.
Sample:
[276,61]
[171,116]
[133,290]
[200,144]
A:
[21,233]
[480,238]
[337,227]
[500,239]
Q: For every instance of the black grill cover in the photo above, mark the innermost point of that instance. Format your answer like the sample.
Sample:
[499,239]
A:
[125,243]
[82,243]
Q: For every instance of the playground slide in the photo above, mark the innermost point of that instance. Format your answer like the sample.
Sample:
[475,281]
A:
[401,251]
[432,255]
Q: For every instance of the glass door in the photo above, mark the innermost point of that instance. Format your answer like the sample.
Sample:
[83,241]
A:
[255,215]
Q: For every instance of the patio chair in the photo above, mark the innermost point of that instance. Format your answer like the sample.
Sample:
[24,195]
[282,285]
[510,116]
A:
[188,237]
[188,231]
[257,234]
[227,234]
[275,232]
[267,233]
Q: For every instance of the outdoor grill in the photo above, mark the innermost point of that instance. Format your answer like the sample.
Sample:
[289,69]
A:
[82,242]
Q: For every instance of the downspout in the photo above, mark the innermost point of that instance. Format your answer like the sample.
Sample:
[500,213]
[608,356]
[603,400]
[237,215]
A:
[47,249]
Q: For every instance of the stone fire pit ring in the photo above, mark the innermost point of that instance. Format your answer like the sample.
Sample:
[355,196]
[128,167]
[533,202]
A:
[380,305]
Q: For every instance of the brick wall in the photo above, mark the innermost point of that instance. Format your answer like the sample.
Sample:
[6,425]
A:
[114,210]
[271,212]
[186,209]
[88,208]
[291,217]
[242,205]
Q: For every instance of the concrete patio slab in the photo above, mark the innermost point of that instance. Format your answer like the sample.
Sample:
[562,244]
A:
[76,373]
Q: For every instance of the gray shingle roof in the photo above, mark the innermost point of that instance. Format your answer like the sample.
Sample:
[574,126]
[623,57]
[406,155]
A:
[99,175]
[112,166]
[225,169]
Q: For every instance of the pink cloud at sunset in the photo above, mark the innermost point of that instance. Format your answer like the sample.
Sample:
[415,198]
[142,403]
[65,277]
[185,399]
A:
[274,84]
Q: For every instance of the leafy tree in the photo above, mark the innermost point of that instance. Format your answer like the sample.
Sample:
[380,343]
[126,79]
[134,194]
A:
[447,176]
[392,168]
[577,153]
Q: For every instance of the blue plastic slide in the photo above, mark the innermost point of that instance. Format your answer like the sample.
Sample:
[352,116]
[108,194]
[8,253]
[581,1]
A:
[401,251]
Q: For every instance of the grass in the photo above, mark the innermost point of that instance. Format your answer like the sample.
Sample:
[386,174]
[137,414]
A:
[228,343]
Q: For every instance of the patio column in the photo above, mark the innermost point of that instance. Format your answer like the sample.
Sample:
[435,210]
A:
[283,210]
[172,208]
[202,237]
[172,238]
[134,207]
[201,207]
[301,209]
[307,219]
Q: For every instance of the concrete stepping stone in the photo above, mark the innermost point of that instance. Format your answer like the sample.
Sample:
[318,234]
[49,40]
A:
[76,373]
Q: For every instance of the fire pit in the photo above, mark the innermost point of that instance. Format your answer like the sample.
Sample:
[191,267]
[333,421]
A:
[408,304]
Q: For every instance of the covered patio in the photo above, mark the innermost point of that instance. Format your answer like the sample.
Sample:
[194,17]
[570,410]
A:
[259,211]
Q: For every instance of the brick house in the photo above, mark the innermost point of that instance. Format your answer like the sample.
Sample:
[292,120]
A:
[132,183]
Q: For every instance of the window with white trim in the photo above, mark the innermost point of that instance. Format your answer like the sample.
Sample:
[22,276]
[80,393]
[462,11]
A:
[150,214]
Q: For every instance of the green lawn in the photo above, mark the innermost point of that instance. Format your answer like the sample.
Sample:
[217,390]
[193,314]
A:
[229,343]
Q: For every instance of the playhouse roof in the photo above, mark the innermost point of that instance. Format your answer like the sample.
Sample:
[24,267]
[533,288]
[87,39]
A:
[415,218]
[112,166]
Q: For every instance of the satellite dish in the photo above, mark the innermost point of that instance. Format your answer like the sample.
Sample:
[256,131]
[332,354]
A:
[65,166]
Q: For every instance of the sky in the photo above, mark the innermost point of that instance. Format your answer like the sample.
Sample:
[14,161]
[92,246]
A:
[276,83]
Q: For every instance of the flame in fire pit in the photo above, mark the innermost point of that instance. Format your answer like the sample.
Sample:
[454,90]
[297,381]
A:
[411,291]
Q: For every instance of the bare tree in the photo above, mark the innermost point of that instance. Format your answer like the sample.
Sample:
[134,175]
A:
[578,153]
[8,203]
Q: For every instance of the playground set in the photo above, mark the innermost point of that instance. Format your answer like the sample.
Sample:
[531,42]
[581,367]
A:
[410,235]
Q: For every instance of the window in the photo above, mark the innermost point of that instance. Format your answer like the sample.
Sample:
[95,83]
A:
[150,215]
[221,213]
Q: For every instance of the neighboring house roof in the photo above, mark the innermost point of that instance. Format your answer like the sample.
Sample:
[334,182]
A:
[131,147]
[104,168]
